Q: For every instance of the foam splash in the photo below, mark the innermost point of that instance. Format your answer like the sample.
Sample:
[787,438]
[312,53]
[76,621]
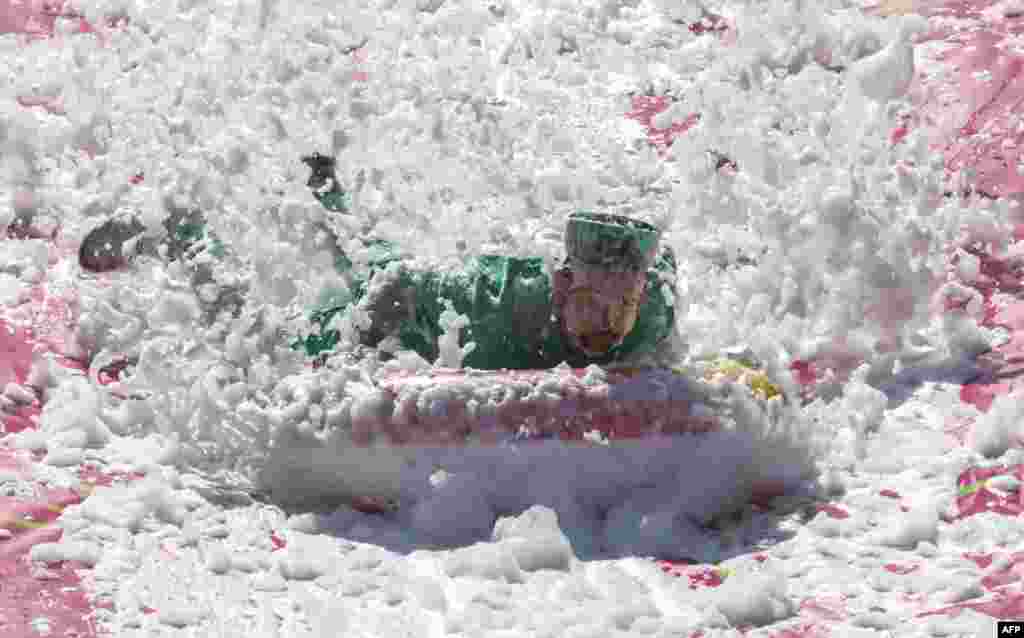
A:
[841,247]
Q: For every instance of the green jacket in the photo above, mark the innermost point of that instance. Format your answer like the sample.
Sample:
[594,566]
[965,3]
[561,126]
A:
[507,300]
[508,303]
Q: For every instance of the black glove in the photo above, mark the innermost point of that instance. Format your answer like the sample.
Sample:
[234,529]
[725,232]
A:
[323,170]
[103,249]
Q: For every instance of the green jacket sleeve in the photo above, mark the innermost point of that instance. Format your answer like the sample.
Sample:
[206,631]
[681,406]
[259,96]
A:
[508,303]
[335,201]
[324,339]
[190,234]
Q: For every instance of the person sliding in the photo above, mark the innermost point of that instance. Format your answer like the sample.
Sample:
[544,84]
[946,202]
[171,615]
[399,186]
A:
[609,301]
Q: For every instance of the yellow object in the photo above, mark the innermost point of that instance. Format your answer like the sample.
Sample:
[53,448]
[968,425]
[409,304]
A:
[12,521]
[732,369]
[756,380]
[25,523]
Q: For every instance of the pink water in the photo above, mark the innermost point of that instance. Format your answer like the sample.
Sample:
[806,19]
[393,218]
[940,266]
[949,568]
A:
[965,113]
[978,115]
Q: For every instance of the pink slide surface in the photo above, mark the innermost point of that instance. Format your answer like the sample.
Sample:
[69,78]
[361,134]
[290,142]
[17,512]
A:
[977,111]
[52,594]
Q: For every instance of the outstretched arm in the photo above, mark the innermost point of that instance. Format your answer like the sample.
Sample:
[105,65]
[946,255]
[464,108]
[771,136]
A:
[324,183]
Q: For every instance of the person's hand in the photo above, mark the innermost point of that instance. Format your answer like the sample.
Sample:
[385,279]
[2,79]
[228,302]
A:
[390,300]
[109,246]
[323,171]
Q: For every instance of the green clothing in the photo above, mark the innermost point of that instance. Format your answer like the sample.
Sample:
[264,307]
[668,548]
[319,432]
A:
[508,300]
[192,234]
[336,201]
[508,303]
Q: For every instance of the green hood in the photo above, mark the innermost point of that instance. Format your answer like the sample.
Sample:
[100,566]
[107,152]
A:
[610,241]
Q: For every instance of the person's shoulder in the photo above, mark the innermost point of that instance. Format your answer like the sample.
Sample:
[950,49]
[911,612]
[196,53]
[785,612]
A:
[510,263]
[666,259]
[525,278]
[663,270]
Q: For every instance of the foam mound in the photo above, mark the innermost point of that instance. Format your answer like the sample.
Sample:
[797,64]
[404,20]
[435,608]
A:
[606,449]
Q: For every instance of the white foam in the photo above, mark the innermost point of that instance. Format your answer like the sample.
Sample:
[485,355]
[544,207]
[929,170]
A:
[524,136]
